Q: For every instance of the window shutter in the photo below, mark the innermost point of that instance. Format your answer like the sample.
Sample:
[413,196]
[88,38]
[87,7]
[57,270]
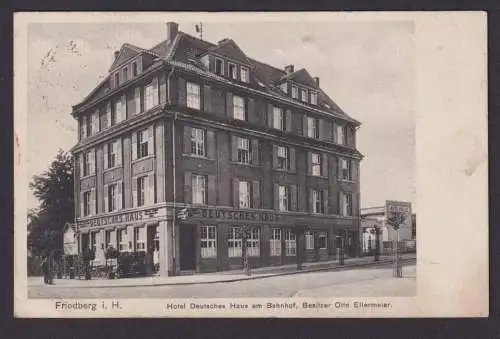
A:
[80,160]
[108,113]
[255,151]
[187,139]
[276,196]
[236,193]
[212,190]
[293,197]
[156,93]
[82,204]
[182,92]
[119,152]
[234,148]
[288,120]
[92,201]
[325,201]
[292,159]
[137,100]
[84,127]
[119,195]
[229,105]
[211,144]
[310,202]
[150,194]
[151,143]
[134,192]
[188,193]
[270,116]
[256,194]
[106,202]
[106,152]
[304,125]
[134,146]
[309,163]
[207,98]
[251,110]
[275,156]
[324,164]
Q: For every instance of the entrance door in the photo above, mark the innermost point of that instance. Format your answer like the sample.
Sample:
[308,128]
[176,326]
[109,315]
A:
[85,242]
[187,247]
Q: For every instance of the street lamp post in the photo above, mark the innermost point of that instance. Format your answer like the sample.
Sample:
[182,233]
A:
[377,243]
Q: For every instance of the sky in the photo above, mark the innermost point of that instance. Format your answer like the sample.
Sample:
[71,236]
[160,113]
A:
[367,68]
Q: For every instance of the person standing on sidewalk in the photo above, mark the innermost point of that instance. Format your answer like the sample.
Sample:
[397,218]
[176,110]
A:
[45,271]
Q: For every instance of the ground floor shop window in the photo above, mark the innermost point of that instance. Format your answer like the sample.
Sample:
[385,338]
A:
[108,239]
[234,242]
[122,240]
[275,242]
[93,241]
[309,240]
[208,241]
[322,241]
[290,243]
[140,239]
[253,242]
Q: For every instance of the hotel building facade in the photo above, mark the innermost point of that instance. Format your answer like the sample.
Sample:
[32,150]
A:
[184,144]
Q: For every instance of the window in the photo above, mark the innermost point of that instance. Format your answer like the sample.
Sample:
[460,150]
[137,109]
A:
[322,241]
[295,92]
[253,242]
[290,244]
[283,198]
[315,164]
[122,240]
[244,192]
[278,118]
[309,240]
[88,166]
[93,241]
[198,186]
[317,201]
[284,88]
[88,125]
[141,191]
[312,127]
[347,204]
[233,71]
[140,239]
[112,153]
[86,204]
[118,116]
[314,98]
[150,97]
[107,239]
[234,242]
[125,74]
[244,74]
[198,142]
[193,95]
[275,242]
[243,150]
[134,69]
[341,135]
[282,157]
[142,138]
[239,108]
[208,241]
[112,197]
[117,79]
[303,95]
[345,169]
[219,66]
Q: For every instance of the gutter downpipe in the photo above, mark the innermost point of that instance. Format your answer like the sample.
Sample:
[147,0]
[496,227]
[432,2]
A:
[174,213]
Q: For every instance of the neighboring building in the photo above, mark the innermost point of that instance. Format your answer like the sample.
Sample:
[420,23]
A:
[195,125]
[377,217]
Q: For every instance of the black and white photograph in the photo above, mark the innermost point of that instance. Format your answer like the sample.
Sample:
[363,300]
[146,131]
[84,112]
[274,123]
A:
[201,160]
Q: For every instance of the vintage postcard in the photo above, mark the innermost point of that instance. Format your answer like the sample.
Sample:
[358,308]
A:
[251,164]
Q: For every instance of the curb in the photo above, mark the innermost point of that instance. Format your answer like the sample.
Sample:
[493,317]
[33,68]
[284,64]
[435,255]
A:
[271,275]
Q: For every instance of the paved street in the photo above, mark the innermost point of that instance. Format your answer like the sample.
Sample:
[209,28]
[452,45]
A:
[359,282]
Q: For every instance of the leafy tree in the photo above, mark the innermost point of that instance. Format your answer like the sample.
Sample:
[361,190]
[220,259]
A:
[54,190]
[396,219]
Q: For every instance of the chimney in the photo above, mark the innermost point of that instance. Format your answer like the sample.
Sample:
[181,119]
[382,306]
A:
[316,80]
[172,30]
[116,54]
[289,69]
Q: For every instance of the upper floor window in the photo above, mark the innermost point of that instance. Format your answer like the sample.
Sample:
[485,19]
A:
[303,95]
[283,158]
[141,191]
[345,169]
[142,144]
[243,150]
[232,70]
[119,113]
[315,164]
[112,197]
[198,142]
[134,69]
[150,97]
[283,198]
[278,118]
[88,163]
[219,66]
[86,203]
[244,193]
[312,127]
[346,203]
[125,74]
[244,74]
[117,79]
[88,125]
[284,87]
[193,95]
[198,185]
[239,108]
[314,98]
[112,154]
[295,92]
[317,202]
[340,134]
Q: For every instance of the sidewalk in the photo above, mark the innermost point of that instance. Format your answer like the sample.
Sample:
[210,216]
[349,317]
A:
[218,277]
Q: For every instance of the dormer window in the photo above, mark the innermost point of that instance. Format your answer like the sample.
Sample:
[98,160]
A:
[219,66]
[125,74]
[314,98]
[295,92]
[244,74]
[134,69]
[303,95]
[284,88]
[232,70]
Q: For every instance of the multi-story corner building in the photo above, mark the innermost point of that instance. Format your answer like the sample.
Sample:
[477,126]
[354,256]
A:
[201,130]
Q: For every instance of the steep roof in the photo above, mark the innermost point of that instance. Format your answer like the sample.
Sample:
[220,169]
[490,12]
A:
[302,77]
[229,48]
